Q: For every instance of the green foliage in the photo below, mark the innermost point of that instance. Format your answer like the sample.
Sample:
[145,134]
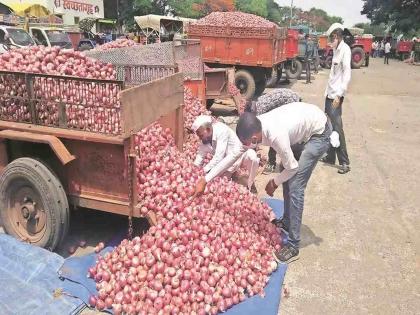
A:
[86,24]
[258,7]
[401,16]
[186,8]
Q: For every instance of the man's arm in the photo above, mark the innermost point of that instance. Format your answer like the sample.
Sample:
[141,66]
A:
[220,152]
[203,149]
[224,164]
[282,146]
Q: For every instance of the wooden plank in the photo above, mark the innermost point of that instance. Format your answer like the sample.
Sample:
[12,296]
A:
[144,104]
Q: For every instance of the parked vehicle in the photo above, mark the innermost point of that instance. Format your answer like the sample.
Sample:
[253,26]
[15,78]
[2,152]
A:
[361,47]
[50,36]
[403,49]
[14,37]
[253,52]
[90,40]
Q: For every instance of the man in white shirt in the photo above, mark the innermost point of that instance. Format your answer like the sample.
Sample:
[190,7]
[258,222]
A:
[228,153]
[295,129]
[387,52]
[338,82]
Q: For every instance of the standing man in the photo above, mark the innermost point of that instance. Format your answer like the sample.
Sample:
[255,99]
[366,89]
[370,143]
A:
[338,82]
[266,103]
[387,52]
[284,129]
[228,153]
[373,49]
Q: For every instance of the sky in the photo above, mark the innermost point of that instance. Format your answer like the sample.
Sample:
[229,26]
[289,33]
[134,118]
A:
[349,10]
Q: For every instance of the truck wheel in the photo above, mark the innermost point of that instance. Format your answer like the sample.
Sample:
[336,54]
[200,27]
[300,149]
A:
[245,82]
[367,61]
[294,70]
[357,57]
[33,203]
[259,90]
[272,81]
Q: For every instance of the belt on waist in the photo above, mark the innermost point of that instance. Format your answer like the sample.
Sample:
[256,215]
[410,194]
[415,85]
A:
[326,128]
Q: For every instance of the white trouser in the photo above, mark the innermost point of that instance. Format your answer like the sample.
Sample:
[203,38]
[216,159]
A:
[250,161]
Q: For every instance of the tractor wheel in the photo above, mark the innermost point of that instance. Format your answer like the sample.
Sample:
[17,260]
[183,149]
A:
[259,90]
[33,204]
[245,82]
[294,70]
[272,81]
[357,57]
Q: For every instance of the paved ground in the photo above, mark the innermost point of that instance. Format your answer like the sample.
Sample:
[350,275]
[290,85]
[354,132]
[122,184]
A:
[361,237]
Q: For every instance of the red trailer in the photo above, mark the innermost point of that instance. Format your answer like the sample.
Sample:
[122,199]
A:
[254,52]
[404,48]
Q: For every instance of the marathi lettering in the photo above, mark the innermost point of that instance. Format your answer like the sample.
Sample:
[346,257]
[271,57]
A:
[79,6]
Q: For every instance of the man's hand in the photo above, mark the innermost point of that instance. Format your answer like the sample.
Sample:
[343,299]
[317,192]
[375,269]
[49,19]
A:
[271,188]
[336,102]
[200,187]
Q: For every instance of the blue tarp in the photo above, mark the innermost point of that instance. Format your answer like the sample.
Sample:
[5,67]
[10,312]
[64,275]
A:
[28,280]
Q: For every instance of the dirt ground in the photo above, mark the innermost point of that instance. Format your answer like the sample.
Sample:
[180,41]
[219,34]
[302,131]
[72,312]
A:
[360,232]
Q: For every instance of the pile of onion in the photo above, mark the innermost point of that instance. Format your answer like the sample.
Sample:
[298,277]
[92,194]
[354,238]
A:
[119,43]
[203,256]
[234,19]
[88,106]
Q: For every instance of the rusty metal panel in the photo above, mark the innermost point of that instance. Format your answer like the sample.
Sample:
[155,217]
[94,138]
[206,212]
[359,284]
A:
[146,103]
[216,83]
[99,171]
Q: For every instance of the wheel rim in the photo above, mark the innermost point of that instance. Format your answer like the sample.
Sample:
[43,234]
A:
[357,57]
[25,211]
[242,85]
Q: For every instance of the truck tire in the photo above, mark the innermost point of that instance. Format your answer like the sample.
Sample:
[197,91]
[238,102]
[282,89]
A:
[294,70]
[357,57]
[272,81]
[33,203]
[245,82]
[260,87]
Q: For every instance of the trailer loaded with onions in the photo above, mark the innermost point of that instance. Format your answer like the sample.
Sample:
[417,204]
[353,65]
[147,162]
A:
[254,46]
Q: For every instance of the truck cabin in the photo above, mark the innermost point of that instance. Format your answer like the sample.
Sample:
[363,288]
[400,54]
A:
[51,37]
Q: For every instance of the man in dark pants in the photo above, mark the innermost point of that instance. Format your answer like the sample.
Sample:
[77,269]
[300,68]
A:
[300,134]
[338,82]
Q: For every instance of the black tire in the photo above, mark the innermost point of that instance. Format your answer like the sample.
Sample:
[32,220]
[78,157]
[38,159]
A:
[33,203]
[294,69]
[357,57]
[209,103]
[259,90]
[245,82]
[272,81]
[85,46]
[367,61]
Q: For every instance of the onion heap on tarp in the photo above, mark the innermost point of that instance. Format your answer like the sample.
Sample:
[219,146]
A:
[203,256]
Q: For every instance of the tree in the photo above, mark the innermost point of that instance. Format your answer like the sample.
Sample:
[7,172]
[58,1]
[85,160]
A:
[258,7]
[128,9]
[401,16]
[209,6]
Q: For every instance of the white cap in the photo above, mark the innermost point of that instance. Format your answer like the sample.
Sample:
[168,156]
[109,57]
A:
[200,121]
[333,27]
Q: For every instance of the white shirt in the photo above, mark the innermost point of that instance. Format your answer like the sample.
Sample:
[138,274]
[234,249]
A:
[340,73]
[225,147]
[288,125]
[387,48]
